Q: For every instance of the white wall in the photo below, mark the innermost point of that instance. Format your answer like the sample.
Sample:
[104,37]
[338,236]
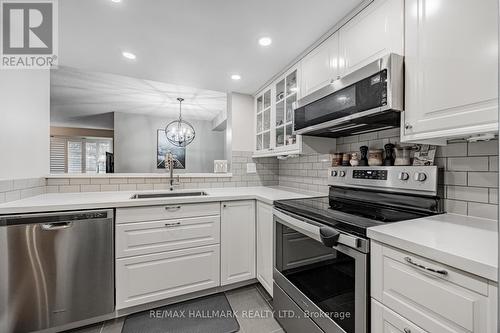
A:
[24,123]
[242,121]
[135,144]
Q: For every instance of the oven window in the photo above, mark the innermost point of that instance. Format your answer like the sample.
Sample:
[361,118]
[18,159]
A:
[324,275]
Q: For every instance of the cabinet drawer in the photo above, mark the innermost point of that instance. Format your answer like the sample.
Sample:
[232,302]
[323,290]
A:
[154,277]
[451,302]
[166,235]
[387,321]
[165,212]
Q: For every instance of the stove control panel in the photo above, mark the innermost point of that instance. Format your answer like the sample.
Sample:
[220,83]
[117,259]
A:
[416,179]
[370,174]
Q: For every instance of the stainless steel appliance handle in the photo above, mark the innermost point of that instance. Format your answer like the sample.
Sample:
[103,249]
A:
[56,226]
[172,208]
[425,268]
[313,230]
[170,225]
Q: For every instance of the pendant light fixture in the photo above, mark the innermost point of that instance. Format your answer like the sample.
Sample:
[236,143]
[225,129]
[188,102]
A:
[179,132]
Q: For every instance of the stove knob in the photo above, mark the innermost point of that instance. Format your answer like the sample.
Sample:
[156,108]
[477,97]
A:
[342,174]
[420,177]
[334,173]
[403,176]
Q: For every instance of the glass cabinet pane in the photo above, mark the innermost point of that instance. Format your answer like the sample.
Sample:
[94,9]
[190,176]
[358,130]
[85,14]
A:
[290,139]
[289,107]
[280,136]
[280,90]
[259,123]
[280,113]
[267,120]
[259,142]
[267,140]
[291,83]
[267,99]
[259,104]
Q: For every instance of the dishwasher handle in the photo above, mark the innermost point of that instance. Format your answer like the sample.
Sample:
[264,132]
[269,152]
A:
[56,226]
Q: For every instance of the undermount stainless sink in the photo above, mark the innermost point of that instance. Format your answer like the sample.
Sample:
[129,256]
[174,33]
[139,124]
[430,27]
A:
[168,195]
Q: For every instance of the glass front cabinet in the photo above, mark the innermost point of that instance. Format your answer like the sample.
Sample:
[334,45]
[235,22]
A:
[274,112]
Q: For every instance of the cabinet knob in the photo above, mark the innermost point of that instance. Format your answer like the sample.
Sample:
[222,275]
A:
[224,205]
[408,126]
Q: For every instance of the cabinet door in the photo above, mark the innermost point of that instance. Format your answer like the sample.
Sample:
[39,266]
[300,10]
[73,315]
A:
[320,66]
[450,68]
[387,321]
[265,246]
[263,128]
[237,241]
[153,277]
[374,32]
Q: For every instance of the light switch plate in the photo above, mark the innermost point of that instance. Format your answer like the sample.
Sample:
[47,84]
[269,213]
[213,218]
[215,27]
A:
[251,168]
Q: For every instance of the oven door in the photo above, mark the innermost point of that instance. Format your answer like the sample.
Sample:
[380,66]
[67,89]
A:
[328,283]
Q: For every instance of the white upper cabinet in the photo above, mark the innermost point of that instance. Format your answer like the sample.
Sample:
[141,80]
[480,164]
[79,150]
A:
[320,66]
[451,68]
[371,34]
[274,112]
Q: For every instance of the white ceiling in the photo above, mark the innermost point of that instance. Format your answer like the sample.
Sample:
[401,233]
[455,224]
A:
[78,96]
[196,43]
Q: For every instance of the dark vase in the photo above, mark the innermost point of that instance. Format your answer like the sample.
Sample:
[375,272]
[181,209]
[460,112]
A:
[363,161]
[389,154]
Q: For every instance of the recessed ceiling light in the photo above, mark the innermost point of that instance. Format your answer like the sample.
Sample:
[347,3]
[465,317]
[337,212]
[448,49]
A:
[265,41]
[236,77]
[129,55]
[116,1]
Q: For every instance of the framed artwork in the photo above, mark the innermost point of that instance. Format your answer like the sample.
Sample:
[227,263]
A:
[164,147]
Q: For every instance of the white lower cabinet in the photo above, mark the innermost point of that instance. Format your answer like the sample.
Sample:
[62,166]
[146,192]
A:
[433,296]
[153,277]
[237,241]
[386,321]
[265,236]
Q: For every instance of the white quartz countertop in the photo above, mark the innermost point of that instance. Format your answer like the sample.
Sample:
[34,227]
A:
[463,242]
[98,200]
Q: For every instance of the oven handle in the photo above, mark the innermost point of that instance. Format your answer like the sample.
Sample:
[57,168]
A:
[331,236]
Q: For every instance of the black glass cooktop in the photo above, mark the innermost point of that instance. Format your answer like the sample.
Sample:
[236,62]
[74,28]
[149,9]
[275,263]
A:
[343,209]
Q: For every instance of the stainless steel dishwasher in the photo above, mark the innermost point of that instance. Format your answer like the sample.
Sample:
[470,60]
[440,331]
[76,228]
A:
[55,269]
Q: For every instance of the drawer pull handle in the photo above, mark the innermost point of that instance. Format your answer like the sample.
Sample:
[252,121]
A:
[173,207]
[170,225]
[432,270]
[407,330]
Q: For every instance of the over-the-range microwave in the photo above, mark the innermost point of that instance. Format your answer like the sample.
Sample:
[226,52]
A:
[366,100]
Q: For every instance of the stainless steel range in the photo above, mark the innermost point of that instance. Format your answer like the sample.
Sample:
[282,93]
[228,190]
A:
[321,264]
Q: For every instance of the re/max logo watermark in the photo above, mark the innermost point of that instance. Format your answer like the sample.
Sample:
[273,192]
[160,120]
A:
[28,34]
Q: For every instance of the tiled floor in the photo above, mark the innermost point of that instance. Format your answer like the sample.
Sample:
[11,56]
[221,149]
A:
[251,304]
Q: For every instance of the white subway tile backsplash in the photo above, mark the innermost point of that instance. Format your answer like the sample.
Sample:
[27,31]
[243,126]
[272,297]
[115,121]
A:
[470,170]
[127,187]
[483,148]
[455,178]
[107,188]
[468,164]
[452,150]
[12,195]
[486,211]
[493,163]
[455,206]
[90,188]
[6,185]
[69,188]
[494,196]
[99,181]
[483,179]
[477,194]
[79,181]
[58,181]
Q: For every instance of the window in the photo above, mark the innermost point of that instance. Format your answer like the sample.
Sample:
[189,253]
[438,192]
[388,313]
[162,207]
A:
[79,155]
